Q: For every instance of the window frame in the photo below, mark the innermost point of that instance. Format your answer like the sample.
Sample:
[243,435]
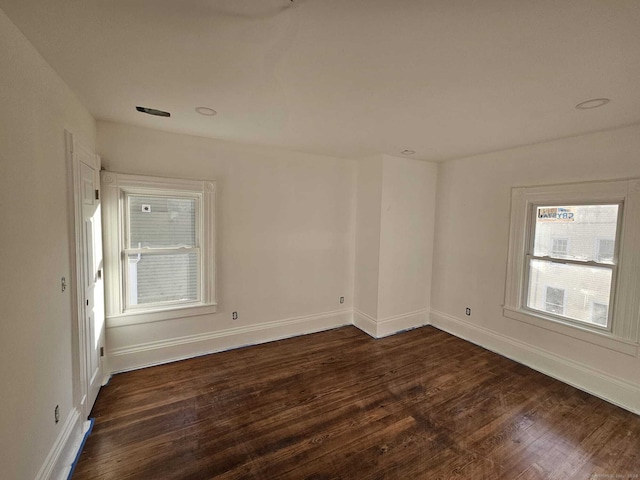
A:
[623,336]
[117,189]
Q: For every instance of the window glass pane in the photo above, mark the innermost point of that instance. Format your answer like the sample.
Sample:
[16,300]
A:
[568,290]
[156,278]
[572,231]
[161,222]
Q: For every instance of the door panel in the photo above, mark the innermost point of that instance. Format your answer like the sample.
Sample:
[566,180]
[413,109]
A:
[93,302]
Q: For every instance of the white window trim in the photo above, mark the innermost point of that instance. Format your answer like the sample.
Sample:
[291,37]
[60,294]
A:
[114,188]
[625,305]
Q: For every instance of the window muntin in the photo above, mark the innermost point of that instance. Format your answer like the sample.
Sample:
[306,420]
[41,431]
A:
[162,250]
[578,271]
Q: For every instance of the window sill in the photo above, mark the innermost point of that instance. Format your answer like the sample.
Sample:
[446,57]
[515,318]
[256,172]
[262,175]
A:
[602,339]
[137,318]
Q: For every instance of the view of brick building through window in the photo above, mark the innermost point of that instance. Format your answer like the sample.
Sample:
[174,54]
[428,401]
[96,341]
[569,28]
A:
[564,238]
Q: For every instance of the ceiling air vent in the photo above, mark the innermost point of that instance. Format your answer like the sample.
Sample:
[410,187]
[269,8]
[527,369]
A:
[153,111]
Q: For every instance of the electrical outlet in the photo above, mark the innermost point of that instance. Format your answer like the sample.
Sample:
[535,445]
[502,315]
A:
[341,299]
[234,316]
[468,311]
[63,284]
[56,413]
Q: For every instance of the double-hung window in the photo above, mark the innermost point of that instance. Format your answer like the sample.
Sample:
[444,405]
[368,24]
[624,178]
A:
[159,248]
[579,277]
[574,251]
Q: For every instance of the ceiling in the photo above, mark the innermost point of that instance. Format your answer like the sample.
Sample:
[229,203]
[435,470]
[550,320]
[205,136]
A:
[445,78]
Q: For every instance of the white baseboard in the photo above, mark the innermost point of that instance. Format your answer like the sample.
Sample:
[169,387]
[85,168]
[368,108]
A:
[365,323]
[390,325]
[400,323]
[58,463]
[156,353]
[584,377]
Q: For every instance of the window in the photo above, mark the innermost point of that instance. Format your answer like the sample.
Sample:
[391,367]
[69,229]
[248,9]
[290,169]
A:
[559,246]
[162,248]
[581,275]
[604,250]
[599,313]
[159,257]
[554,300]
[574,250]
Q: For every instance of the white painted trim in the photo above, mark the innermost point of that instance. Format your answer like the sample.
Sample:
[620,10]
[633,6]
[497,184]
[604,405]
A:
[165,351]
[115,187]
[399,323]
[614,390]
[626,303]
[604,339]
[138,318]
[366,323]
[390,325]
[58,462]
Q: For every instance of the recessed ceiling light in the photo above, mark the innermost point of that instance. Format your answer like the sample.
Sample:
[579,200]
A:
[210,112]
[153,111]
[407,152]
[593,103]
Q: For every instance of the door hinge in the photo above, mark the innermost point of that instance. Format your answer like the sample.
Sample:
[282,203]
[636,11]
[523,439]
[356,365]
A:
[97,194]
[102,351]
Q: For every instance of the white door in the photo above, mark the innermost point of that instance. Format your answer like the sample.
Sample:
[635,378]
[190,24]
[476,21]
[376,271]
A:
[89,267]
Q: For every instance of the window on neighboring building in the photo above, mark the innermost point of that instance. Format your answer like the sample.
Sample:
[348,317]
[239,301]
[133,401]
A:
[599,313]
[605,249]
[554,300]
[159,246]
[559,246]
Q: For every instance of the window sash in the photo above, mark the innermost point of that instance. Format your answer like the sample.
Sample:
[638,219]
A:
[125,252]
[126,280]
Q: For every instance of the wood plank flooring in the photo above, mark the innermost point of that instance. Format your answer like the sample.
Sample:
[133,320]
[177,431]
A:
[341,405]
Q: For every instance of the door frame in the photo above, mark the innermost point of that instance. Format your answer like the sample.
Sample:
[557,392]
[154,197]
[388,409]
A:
[79,329]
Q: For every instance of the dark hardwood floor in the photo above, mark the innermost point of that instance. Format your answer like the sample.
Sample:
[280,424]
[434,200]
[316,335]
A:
[340,405]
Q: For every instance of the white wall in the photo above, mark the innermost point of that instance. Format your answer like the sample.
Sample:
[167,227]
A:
[471,252]
[394,243]
[285,242]
[36,345]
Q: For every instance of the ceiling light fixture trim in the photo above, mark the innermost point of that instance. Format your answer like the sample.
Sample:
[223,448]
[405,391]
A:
[593,103]
[209,112]
[407,152]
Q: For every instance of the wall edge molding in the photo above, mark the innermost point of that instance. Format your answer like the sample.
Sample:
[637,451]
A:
[58,462]
[612,389]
